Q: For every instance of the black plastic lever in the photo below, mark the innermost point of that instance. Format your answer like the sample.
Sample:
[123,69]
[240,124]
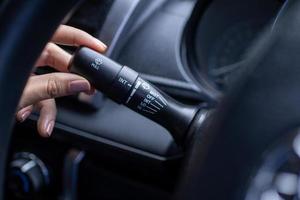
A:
[125,86]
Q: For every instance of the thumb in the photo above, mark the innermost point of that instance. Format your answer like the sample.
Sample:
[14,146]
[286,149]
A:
[52,85]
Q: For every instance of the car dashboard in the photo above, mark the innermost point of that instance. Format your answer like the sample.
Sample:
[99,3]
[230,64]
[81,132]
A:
[102,150]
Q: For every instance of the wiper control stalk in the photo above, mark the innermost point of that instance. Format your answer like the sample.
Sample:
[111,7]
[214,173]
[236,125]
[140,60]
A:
[125,86]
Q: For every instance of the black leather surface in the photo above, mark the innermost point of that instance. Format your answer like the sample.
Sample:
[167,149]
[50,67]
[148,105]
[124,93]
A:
[263,106]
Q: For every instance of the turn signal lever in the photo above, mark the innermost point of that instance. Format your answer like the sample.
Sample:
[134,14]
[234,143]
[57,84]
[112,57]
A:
[125,86]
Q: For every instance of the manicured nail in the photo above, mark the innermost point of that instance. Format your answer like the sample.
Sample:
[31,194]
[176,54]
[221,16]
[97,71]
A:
[104,46]
[49,128]
[101,44]
[24,116]
[79,86]
[91,92]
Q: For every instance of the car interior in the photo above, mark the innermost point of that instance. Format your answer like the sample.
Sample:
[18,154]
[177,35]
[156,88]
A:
[224,75]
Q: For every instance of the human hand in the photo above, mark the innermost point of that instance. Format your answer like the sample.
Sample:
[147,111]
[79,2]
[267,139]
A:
[41,90]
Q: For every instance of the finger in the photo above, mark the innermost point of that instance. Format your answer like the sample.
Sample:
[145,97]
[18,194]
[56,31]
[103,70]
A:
[24,113]
[52,85]
[55,57]
[92,91]
[68,35]
[46,121]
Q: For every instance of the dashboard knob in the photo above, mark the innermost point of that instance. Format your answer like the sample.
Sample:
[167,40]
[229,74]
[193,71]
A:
[28,177]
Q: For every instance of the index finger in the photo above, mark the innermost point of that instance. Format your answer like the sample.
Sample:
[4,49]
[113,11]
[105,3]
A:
[67,35]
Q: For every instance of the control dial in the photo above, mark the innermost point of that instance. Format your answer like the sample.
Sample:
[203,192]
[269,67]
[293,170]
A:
[28,177]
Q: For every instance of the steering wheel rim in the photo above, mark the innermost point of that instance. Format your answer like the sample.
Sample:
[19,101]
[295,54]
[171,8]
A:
[26,27]
[262,107]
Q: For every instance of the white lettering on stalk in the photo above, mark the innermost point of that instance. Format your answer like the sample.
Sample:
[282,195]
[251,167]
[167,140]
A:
[97,63]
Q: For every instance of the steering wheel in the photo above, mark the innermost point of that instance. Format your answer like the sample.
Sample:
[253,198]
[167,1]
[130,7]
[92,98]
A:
[255,125]
[25,26]
[262,107]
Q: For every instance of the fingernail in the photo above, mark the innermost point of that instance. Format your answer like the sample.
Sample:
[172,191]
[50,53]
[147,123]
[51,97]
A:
[79,86]
[49,128]
[104,46]
[24,116]
[101,44]
[91,92]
